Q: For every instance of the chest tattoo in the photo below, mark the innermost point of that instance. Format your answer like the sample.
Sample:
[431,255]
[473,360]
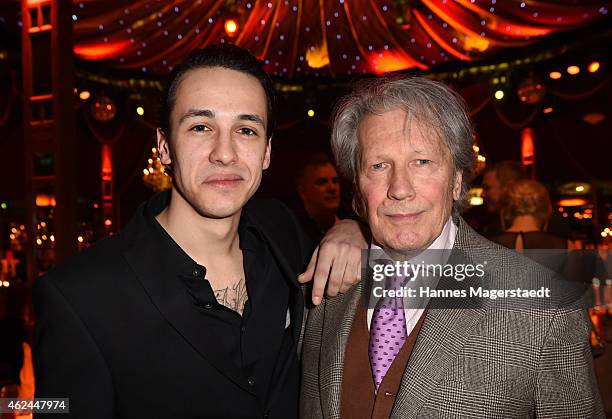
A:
[233,296]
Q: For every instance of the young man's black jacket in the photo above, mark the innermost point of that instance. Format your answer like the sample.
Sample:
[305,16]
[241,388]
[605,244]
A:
[122,334]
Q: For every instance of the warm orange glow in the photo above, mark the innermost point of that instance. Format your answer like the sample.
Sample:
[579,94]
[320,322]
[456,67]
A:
[101,50]
[449,18]
[45,200]
[572,202]
[593,67]
[573,70]
[107,162]
[555,75]
[108,222]
[84,95]
[317,57]
[439,40]
[477,43]
[548,110]
[498,24]
[527,149]
[231,27]
[389,61]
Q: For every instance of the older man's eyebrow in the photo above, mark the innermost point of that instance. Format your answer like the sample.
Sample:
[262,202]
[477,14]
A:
[195,113]
[253,118]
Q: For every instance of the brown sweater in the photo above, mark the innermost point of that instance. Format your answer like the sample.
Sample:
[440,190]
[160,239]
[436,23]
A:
[359,398]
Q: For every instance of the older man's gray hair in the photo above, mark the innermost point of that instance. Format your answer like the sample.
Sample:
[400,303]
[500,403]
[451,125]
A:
[429,102]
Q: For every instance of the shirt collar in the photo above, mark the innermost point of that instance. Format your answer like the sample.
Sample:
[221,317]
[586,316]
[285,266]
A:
[173,256]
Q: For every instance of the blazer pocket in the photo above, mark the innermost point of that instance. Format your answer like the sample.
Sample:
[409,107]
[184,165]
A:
[466,369]
[512,389]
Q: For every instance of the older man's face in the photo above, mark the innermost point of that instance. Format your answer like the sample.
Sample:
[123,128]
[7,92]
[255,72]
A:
[405,179]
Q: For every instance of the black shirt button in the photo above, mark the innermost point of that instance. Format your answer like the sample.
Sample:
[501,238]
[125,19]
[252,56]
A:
[266,415]
[251,382]
[196,272]
[207,305]
[243,329]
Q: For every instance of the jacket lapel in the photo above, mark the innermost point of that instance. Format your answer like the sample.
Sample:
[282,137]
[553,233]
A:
[339,314]
[442,336]
[296,308]
[173,301]
[296,305]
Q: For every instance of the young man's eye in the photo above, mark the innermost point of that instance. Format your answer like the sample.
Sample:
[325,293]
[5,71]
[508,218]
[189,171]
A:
[199,128]
[247,131]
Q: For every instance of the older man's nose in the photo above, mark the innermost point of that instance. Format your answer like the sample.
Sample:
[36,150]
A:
[400,186]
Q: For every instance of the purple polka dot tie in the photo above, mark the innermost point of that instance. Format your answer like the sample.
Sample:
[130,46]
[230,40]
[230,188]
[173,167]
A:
[387,330]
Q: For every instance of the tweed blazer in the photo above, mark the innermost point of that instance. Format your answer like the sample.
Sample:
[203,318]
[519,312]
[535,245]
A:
[490,361]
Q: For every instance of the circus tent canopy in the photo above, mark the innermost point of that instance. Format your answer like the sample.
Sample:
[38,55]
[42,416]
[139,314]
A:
[330,38]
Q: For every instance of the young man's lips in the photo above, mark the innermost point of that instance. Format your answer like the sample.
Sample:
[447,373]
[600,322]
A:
[223,180]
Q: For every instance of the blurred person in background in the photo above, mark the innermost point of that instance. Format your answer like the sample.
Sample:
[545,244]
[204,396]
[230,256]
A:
[495,183]
[318,187]
[525,211]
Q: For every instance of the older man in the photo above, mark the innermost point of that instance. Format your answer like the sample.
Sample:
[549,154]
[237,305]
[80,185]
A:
[406,144]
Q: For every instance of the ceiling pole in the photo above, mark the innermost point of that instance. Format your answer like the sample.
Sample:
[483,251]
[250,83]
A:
[48,124]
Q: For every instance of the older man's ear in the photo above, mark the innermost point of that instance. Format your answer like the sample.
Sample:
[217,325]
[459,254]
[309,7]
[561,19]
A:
[357,204]
[457,185]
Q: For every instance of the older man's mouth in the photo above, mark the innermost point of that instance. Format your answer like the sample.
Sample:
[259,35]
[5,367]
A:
[405,217]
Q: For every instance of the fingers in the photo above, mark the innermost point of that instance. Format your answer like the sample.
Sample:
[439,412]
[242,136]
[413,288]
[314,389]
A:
[343,255]
[336,276]
[306,276]
[334,265]
[352,273]
[321,273]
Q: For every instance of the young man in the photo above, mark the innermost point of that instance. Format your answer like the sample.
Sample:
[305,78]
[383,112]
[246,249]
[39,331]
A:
[194,310]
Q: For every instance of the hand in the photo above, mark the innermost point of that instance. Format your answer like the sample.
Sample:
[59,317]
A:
[336,262]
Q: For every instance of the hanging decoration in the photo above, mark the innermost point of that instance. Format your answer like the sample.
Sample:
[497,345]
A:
[527,147]
[531,91]
[103,108]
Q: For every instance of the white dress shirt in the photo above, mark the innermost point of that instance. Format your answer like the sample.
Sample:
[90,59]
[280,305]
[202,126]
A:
[445,241]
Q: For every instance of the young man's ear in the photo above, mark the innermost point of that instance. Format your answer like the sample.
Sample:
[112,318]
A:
[268,152]
[163,147]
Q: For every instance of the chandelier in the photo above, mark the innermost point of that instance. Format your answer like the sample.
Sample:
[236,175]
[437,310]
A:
[155,175]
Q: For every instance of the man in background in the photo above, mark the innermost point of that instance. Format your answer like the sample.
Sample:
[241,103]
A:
[318,187]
